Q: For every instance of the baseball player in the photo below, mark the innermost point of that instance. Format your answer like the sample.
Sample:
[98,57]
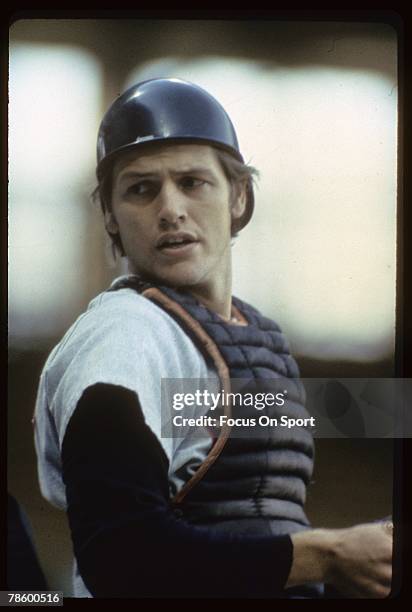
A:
[152,515]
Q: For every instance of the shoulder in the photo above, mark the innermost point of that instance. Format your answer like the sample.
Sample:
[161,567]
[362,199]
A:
[125,303]
[120,319]
[122,338]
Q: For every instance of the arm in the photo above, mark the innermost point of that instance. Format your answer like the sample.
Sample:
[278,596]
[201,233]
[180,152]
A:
[127,539]
[128,542]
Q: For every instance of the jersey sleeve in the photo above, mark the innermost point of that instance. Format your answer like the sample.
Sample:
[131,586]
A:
[125,341]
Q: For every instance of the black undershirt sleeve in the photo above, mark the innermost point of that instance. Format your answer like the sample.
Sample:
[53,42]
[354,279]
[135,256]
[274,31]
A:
[127,539]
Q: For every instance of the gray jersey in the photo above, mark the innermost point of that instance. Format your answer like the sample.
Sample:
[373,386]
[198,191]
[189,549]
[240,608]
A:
[122,339]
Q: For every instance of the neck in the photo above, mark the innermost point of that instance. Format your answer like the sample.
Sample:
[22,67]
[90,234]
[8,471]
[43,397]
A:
[215,294]
[219,302]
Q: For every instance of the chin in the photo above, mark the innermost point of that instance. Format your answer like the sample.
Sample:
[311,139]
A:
[173,278]
[180,280]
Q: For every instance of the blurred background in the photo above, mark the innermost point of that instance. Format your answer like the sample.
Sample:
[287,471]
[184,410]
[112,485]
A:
[315,108]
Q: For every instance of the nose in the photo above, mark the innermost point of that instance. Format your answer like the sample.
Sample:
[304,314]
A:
[172,204]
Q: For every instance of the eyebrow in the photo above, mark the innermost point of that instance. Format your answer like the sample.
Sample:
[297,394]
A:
[133,174]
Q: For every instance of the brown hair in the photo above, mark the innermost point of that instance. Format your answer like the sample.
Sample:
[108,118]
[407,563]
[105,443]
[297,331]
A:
[236,172]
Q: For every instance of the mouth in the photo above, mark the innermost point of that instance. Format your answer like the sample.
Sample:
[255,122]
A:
[178,243]
[183,250]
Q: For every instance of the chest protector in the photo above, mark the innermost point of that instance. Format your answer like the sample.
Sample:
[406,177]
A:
[246,484]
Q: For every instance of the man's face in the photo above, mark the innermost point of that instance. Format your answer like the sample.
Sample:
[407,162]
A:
[172,206]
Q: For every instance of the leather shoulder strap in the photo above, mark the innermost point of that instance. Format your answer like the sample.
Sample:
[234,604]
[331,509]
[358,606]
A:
[211,348]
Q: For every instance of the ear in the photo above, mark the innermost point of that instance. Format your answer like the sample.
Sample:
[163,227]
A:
[110,223]
[239,200]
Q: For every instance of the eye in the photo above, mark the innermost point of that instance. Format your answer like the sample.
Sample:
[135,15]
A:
[140,188]
[190,182]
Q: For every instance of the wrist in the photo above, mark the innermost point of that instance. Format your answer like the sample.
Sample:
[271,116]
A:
[313,556]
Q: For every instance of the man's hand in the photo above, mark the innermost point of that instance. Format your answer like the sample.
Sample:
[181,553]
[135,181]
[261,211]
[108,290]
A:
[357,561]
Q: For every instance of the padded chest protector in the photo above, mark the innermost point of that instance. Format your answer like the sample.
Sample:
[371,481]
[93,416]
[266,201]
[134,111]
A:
[260,481]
